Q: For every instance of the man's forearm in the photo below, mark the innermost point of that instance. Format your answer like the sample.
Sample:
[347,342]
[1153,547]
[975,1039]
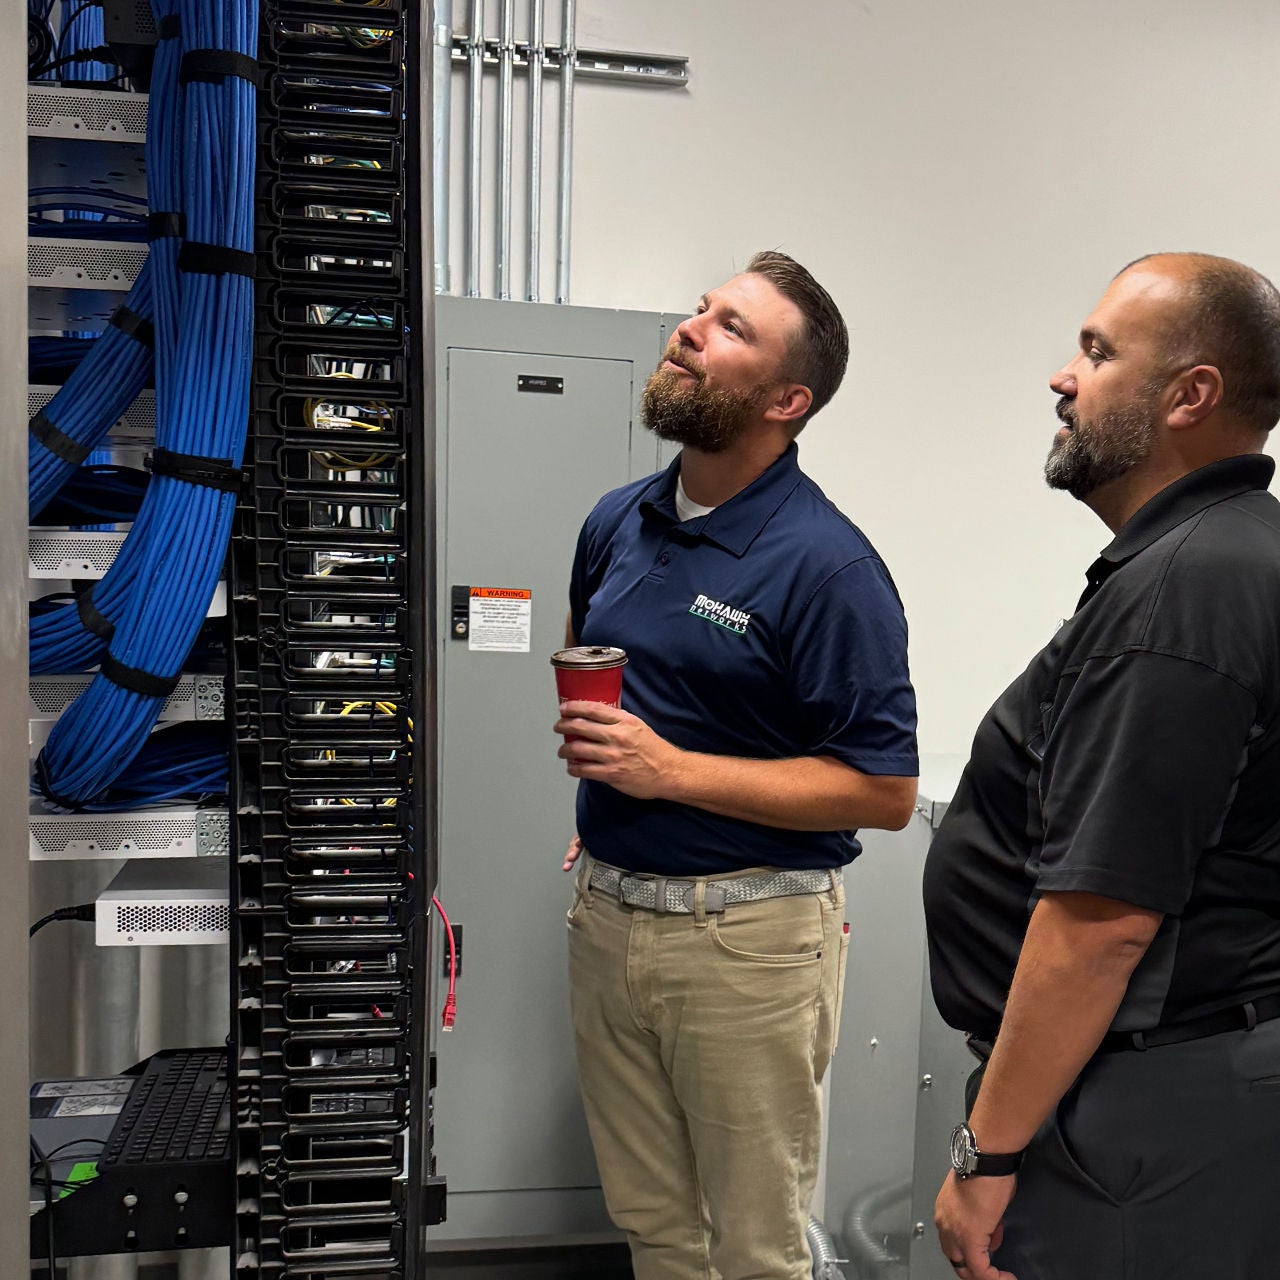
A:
[1079,953]
[812,793]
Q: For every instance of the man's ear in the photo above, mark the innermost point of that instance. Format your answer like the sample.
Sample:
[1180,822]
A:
[790,404]
[1196,394]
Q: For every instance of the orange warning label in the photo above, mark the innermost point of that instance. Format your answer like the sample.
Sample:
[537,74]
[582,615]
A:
[500,593]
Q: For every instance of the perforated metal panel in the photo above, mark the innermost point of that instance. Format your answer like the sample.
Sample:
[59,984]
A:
[165,903]
[169,917]
[87,113]
[71,555]
[167,832]
[195,698]
[83,264]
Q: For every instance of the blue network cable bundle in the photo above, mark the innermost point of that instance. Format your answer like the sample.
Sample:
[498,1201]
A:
[187,325]
[329,594]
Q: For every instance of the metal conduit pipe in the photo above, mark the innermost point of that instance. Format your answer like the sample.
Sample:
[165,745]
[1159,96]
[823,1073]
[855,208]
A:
[568,57]
[869,1255]
[823,1249]
[537,55]
[475,86]
[506,103]
[442,101]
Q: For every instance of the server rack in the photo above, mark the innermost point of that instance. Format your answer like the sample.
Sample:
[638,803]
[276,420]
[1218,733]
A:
[330,568]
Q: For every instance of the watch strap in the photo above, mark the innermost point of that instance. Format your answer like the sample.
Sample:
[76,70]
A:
[987,1164]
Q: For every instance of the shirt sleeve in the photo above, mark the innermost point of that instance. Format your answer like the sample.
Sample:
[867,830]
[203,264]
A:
[1139,771]
[580,584]
[849,672]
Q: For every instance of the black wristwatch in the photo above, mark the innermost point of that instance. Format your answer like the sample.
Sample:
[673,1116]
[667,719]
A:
[969,1162]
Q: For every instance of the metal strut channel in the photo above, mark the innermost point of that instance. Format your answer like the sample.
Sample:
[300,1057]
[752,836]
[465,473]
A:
[333,860]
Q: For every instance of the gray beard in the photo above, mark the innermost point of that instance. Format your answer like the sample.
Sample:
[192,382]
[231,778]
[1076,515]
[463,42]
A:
[689,412]
[1100,450]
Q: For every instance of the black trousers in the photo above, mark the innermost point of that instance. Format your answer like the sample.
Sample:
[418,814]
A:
[1157,1165]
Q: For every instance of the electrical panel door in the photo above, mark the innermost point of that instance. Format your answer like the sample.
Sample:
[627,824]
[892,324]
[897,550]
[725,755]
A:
[530,443]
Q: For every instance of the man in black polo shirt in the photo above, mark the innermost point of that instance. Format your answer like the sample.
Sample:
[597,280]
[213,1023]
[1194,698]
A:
[1103,896]
[767,713]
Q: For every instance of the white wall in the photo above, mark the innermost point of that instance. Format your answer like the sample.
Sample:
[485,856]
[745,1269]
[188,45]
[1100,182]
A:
[964,176]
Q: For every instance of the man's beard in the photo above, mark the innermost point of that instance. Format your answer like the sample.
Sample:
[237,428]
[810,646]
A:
[683,409]
[1101,449]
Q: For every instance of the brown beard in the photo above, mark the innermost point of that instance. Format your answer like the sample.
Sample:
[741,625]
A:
[685,410]
[1101,449]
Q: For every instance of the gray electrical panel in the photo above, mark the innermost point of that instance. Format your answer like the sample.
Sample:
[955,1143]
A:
[538,417]
[897,1080]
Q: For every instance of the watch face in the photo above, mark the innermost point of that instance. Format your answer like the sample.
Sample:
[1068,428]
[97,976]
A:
[962,1149]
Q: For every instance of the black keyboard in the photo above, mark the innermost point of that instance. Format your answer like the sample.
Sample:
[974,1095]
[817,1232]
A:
[178,1110]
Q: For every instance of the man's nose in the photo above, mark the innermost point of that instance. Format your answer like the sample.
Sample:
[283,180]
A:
[689,332]
[1063,382]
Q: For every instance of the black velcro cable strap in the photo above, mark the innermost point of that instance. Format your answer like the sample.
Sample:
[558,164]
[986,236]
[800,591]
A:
[214,260]
[137,681]
[42,781]
[213,473]
[90,619]
[160,225]
[57,442]
[170,26]
[214,65]
[134,326]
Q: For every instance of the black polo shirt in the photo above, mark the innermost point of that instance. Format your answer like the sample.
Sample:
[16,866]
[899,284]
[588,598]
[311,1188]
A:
[768,628]
[1137,757]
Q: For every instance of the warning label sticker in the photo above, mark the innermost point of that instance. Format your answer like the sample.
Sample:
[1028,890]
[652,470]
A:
[500,619]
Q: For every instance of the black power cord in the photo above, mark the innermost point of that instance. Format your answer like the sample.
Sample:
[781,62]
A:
[43,1160]
[86,911]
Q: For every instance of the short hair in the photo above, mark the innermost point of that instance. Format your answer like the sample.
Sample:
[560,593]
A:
[1231,320]
[820,351]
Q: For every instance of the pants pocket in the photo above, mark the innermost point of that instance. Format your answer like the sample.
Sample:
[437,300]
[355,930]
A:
[1102,1166]
[776,931]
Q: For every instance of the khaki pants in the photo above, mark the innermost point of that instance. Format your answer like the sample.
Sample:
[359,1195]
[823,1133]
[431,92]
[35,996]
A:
[702,1041]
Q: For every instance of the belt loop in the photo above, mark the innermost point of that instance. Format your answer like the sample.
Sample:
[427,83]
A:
[700,903]
[584,877]
[1140,1042]
[1250,1015]
[660,894]
[833,884]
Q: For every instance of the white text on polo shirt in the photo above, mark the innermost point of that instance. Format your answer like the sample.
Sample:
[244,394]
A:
[724,615]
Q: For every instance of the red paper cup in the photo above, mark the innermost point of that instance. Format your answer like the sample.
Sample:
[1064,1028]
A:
[589,673]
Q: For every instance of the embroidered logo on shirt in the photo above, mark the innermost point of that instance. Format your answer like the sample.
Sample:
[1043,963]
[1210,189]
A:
[723,615]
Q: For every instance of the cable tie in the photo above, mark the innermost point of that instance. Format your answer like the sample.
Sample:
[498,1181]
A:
[134,326]
[160,225]
[90,619]
[46,790]
[136,680]
[212,66]
[56,441]
[169,27]
[213,473]
[214,260]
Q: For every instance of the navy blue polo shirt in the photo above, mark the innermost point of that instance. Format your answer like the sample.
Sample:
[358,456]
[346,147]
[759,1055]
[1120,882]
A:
[769,629]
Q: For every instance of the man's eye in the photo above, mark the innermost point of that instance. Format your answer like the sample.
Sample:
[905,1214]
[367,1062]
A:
[733,328]
[1095,355]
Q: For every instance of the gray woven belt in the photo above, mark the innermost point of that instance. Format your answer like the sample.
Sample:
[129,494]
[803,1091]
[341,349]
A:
[657,893]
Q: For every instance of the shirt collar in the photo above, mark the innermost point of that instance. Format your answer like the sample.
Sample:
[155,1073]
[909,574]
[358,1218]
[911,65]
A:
[734,524]
[1176,503]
